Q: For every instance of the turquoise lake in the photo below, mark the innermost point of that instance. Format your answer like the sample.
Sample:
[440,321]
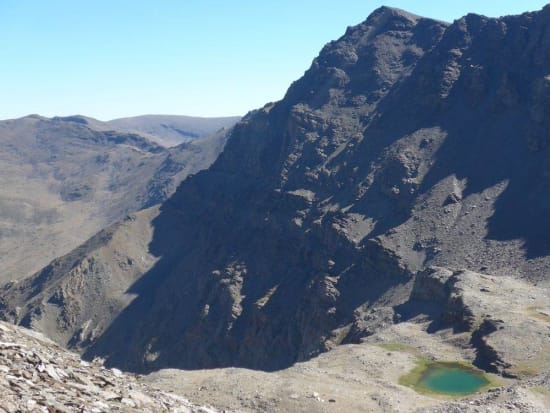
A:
[445,379]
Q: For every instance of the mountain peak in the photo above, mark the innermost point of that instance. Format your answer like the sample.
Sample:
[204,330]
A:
[369,58]
[393,12]
[32,116]
[385,19]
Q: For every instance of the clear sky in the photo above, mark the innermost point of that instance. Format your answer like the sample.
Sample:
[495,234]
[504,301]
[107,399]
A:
[114,58]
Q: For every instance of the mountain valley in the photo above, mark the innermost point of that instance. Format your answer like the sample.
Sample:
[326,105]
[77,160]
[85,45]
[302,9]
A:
[169,130]
[391,210]
[64,179]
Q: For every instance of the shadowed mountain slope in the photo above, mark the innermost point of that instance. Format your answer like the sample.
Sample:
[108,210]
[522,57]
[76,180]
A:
[408,143]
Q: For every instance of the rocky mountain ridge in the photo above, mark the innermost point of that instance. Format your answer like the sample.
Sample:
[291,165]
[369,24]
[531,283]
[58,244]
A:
[409,143]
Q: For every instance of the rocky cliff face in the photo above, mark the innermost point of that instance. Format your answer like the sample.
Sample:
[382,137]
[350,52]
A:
[407,143]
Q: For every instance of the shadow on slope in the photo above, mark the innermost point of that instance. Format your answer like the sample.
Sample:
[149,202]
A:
[492,109]
[238,284]
[234,289]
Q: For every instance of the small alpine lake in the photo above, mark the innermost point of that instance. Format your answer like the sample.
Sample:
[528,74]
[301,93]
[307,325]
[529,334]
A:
[446,378]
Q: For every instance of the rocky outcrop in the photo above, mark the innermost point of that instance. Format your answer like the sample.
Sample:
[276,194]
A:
[432,285]
[36,375]
[408,143]
[439,286]
[504,318]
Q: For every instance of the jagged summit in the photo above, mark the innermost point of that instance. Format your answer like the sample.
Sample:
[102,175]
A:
[389,18]
[368,59]
[389,12]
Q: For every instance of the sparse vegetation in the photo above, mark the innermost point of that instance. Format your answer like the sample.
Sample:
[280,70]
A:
[540,313]
[398,347]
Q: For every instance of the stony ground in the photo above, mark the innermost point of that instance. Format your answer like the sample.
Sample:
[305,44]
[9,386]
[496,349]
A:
[365,377]
[354,378]
[36,375]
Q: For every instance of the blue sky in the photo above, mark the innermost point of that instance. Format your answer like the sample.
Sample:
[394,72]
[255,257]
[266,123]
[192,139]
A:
[114,58]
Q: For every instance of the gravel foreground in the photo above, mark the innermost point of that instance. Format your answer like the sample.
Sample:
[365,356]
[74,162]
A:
[37,375]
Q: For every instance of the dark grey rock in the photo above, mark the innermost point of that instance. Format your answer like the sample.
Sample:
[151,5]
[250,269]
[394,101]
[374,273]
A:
[323,207]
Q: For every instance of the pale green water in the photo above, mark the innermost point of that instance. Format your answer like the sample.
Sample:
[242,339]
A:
[452,379]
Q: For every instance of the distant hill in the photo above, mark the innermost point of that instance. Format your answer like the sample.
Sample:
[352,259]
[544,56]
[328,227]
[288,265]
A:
[63,179]
[170,130]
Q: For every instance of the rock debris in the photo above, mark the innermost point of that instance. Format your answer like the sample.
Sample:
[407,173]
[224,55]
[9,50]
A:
[37,375]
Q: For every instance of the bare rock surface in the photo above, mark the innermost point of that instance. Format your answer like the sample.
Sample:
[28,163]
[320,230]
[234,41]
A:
[37,375]
[356,378]
[504,319]
[447,323]
[351,378]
